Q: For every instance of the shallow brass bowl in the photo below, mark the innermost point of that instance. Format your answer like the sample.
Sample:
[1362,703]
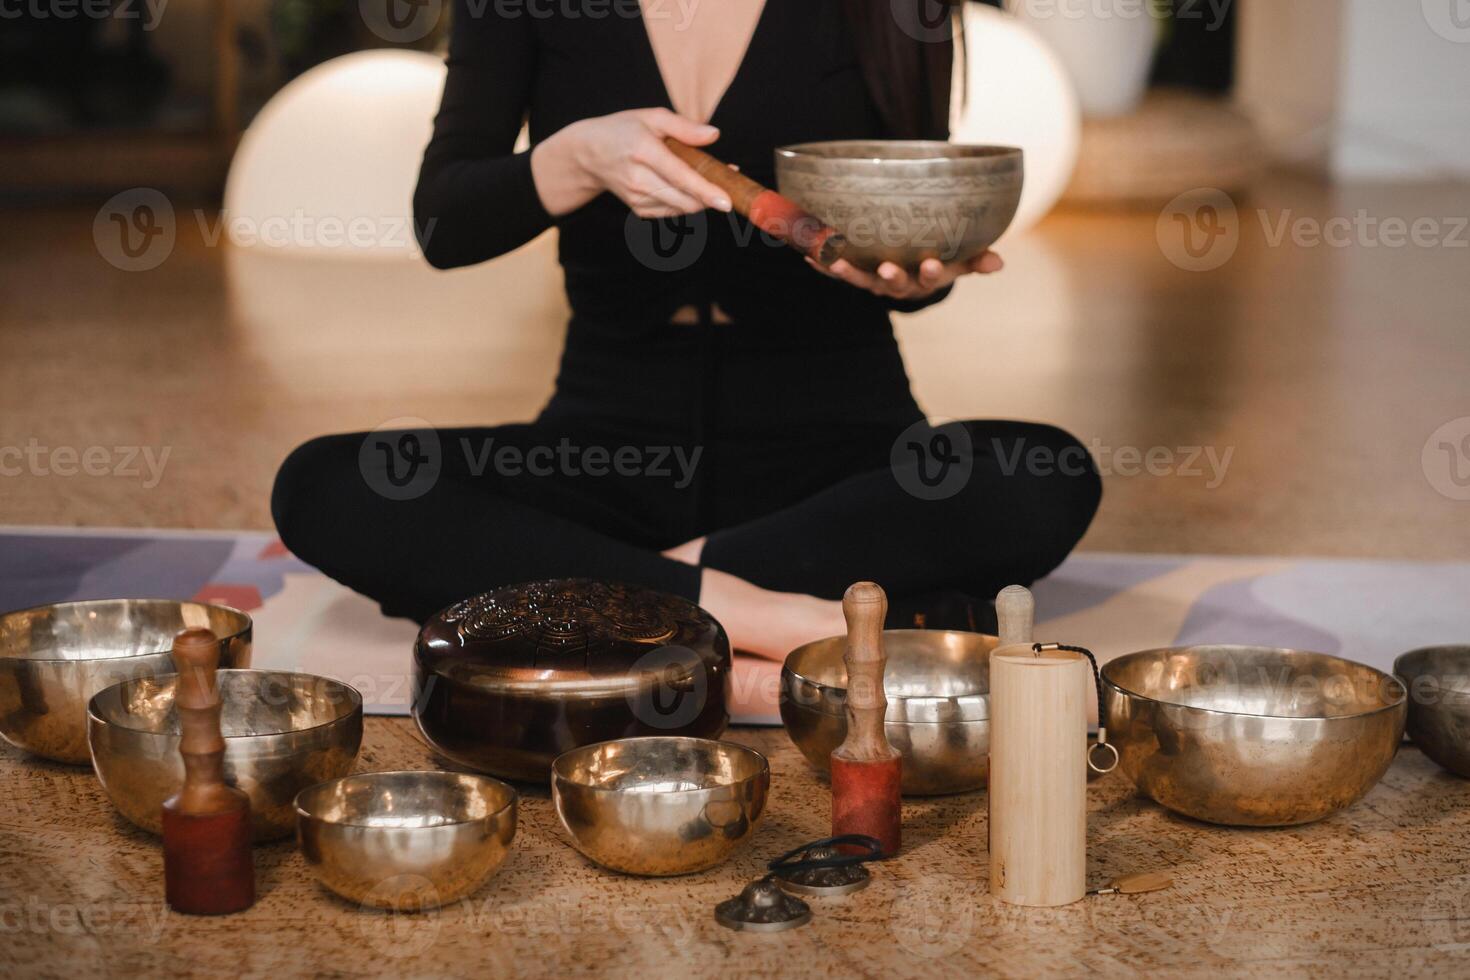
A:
[1438,680]
[1252,736]
[54,658]
[407,840]
[904,201]
[938,688]
[283,732]
[662,805]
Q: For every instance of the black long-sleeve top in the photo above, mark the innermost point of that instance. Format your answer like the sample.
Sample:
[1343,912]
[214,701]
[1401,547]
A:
[552,64]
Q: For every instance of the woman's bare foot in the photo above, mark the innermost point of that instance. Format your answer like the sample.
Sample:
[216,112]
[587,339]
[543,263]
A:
[768,624]
[688,552]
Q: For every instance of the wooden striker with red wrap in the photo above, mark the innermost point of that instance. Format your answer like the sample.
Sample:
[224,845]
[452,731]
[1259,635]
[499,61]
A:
[778,216]
[866,770]
[207,868]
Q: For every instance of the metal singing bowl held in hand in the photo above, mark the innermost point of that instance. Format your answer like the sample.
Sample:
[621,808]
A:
[1252,736]
[660,805]
[904,201]
[409,840]
[54,658]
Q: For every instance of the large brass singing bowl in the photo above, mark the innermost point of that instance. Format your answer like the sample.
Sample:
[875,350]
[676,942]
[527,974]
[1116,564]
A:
[54,658]
[1252,736]
[282,731]
[904,201]
[938,688]
[661,805]
[408,840]
[1438,680]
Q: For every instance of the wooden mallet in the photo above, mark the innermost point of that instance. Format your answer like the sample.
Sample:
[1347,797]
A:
[866,770]
[771,212]
[207,868]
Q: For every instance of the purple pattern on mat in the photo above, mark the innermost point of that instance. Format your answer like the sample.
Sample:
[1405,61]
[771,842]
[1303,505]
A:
[1234,613]
[1089,580]
[41,568]
[245,566]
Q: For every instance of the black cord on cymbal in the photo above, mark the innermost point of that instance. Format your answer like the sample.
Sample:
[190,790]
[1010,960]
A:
[784,865]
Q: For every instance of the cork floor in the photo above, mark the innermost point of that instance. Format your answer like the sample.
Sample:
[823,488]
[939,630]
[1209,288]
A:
[1332,376]
[1380,889]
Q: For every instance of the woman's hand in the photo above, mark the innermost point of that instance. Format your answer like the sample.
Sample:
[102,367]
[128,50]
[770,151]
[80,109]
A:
[894,283]
[625,153]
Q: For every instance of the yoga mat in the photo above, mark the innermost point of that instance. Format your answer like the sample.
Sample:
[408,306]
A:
[1366,610]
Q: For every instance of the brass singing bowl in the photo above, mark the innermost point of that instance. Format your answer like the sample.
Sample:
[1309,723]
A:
[1252,736]
[1438,681]
[53,658]
[904,201]
[662,805]
[938,688]
[408,840]
[282,731]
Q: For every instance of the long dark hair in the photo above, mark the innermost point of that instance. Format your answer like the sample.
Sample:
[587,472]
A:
[907,50]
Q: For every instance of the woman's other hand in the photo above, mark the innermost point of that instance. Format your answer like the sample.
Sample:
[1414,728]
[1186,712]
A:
[894,283]
[625,153]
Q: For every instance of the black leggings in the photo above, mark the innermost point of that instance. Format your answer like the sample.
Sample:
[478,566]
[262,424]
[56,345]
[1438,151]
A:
[423,518]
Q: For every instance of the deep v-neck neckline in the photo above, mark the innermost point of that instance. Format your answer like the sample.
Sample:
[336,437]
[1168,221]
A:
[747,59]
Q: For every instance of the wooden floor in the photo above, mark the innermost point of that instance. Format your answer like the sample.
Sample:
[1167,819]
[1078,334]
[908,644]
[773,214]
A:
[1381,889]
[1321,371]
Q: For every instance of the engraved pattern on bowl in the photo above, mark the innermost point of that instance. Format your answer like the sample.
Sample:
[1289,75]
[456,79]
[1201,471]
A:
[903,201]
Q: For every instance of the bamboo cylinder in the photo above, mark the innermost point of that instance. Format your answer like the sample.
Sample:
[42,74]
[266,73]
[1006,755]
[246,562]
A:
[1038,776]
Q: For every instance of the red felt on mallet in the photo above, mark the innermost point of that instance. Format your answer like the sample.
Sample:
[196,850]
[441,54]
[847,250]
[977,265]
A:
[771,212]
[207,866]
[866,769]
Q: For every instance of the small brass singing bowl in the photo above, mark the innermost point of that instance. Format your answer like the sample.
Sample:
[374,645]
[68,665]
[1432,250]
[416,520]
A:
[407,840]
[54,658]
[938,688]
[283,732]
[1252,736]
[1438,680]
[660,805]
[904,201]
